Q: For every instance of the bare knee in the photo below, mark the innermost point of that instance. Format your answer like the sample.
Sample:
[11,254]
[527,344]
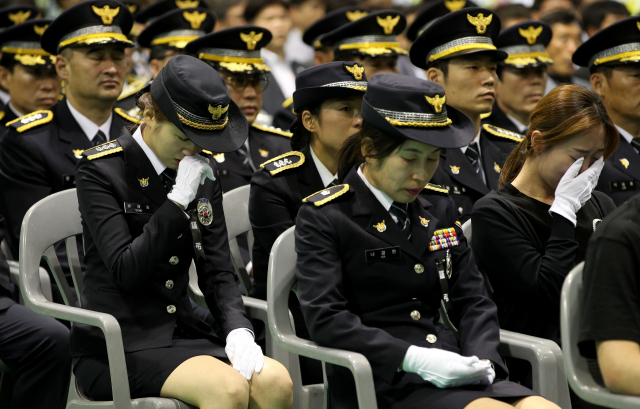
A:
[535,402]
[236,389]
[487,403]
[272,387]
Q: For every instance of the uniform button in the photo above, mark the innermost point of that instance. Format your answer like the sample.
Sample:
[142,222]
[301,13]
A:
[171,309]
[415,315]
[174,260]
[460,210]
[431,339]
[169,284]
[418,268]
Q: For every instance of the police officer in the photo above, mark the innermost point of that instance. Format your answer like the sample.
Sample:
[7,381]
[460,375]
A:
[235,54]
[458,52]
[39,152]
[613,58]
[27,71]
[522,77]
[376,257]
[151,204]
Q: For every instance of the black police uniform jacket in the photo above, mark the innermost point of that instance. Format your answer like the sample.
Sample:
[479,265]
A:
[138,263]
[380,308]
[6,115]
[499,118]
[456,174]
[38,157]
[621,174]
[264,143]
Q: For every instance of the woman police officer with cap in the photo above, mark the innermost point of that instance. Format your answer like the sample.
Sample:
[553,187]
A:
[327,100]
[371,251]
[139,244]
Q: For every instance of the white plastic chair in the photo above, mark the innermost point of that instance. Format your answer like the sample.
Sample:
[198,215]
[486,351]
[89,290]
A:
[580,378]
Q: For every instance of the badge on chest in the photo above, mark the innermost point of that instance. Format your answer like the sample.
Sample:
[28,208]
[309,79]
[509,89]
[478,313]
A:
[387,253]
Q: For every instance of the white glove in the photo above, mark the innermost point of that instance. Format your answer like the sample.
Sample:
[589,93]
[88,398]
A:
[245,355]
[574,190]
[491,376]
[445,369]
[192,172]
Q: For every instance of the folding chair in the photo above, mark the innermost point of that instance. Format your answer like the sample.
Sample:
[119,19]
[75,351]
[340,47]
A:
[541,353]
[580,378]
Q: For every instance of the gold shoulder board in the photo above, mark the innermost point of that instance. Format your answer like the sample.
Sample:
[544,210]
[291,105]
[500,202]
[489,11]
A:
[503,133]
[326,195]
[273,130]
[102,150]
[31,121]
[289,160]
[132,88]
[129,115]
[2,114]
[485,115]
[436,188]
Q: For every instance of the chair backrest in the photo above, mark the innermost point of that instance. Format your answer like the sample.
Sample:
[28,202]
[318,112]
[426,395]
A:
[466,228]
[580,379]
[235,204]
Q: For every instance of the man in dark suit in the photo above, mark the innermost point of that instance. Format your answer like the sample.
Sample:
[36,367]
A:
[613,58]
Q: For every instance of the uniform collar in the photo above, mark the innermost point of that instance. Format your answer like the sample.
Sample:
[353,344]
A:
[88,127]
[626,135]
[158,166]
[521,127]
[382,197]
[14,110]
[325,174]
[4,97]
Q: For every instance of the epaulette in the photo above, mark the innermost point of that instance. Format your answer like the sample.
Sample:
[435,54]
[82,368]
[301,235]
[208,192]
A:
[273,130]
[129,115]
[503,133]
[2,114]
[326,195]
[102,150]
[31,121]
[485,115]
[132,88]
[436,188]
[289,160]
[288,105]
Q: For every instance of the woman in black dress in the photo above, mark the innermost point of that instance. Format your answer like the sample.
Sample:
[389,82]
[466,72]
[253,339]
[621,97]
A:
[377,254]
[143,224]
[530,233]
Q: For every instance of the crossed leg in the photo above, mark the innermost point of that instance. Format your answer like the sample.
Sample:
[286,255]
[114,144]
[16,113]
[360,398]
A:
[531,402]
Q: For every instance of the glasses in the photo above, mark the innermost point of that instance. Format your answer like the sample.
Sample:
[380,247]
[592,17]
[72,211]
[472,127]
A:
[239,83]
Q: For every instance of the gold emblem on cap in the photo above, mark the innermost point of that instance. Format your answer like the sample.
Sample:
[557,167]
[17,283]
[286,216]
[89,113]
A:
[187,4]
[454,5]
[19,17]
[40,30]
[217,112]
[194,18]
[480,22]
[437,102]
[251,39]
[132,8]
[380,226]
[355,14]
[530,34]
[625,163]
[106,13]
[355,70]
[30,59]
[388,23]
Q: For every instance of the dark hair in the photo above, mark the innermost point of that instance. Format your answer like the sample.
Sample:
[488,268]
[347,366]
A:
[301,137]
[561,16]
[565,112]
[442,65]
[8,61]
[350,155]
[222,7]
[254,7]
[537,4]
[595,13]
[511,11]
[146,101]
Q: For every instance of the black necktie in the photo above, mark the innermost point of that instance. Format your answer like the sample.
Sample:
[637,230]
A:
[333,183]
[399,210]
[168,178]
[635,142]
[246,159]
[99,139]
[472,154]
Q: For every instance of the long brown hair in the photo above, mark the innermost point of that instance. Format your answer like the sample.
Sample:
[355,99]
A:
[565,112]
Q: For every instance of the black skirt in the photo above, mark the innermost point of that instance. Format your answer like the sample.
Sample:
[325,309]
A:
[147,369]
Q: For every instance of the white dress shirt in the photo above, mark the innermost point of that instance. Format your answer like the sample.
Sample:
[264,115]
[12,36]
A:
[281,71]
[626,135]
[158,166]
[4,97]
[382,197]
[15,111]
[89,128]
[521,127]
[325,174]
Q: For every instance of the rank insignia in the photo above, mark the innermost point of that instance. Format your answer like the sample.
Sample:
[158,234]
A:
[455,169]
[424,221]
[380,226]
[625,163]
[263,153]
[503,133]
[326,195]
[480,22]
[31,121]
[144,182]
[283,162]
[205,212]
[106,13]
[219,157]
[496,167]
[78,153]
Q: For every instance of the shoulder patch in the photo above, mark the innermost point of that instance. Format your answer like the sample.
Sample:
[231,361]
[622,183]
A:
[273,130]
[326,195]
[289,160]
[31,121]
[102,150]
[436,188]
[132,88]
[130,115]
[503,133]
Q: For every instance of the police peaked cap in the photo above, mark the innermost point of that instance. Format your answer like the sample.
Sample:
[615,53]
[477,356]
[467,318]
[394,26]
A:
[615,45]
[157,9]
[526,44]
[332,80]
[23,41]
[177,28]
[11,16]
[433,11]
[313,36]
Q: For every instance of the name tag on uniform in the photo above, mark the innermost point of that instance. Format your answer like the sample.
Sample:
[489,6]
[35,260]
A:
[623,186]
[388,253]
[456,190]
[68,181]
[137,208]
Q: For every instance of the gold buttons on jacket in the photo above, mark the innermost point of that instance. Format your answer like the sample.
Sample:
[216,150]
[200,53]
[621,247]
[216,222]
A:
[174,260]
[418,268]
[169,284]
[431,339]
[415,315]
[171,309]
